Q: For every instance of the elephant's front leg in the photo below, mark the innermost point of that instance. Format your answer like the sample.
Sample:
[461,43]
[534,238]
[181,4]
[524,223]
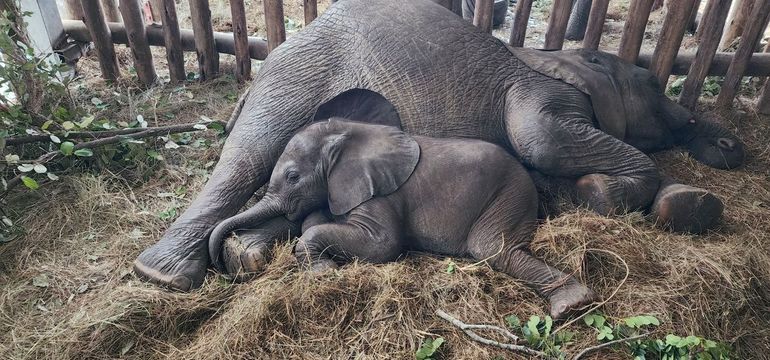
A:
[373,238]
[248,252]
[685,208]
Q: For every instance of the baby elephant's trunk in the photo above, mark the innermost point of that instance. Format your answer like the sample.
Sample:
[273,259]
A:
[264,210]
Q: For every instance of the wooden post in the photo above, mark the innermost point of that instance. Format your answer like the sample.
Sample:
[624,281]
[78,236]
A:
[754,29]
[520,21]
[710,31]
[156,7]
[208,58]
[111,11]
[557,24]
[595,24]
[74,10]
[276,30]
[241,37]
[311,10]
[483,14]
[657,5]
[100,34]
[633,30]
[737,21]
[137,40]
[172,41]
[763,107]
[671,35]
[693,16]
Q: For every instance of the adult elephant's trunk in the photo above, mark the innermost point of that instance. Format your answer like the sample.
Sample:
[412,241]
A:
[264,210]
[715,146]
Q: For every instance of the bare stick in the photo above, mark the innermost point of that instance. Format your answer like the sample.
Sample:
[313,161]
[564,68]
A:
[468,330]
[591,349]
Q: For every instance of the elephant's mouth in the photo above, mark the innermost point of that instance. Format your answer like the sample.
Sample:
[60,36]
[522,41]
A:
[721,153]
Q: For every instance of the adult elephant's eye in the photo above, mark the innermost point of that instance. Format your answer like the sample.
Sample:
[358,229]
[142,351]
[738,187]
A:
[292,177]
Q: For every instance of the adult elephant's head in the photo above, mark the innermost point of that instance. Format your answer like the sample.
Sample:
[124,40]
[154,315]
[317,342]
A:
[336,164]
[629,104]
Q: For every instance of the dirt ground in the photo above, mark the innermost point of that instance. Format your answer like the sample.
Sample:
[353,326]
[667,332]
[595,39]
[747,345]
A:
[67,290]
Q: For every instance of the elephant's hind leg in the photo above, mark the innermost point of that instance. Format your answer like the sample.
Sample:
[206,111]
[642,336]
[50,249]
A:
[685,208]
[501,237]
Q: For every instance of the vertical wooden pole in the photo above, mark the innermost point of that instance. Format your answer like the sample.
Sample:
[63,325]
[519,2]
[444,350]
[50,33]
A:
[671,35]
[241,37]
[311,10]
[276,30]
[710,30]
[760,13]
[172,40]
[111,12]
[633,30]
[737,22]
[557,24]
[693,16]
[706,19]
[137,40]
[483,14]
[156,7]
[100,35]
[595,24]
[205,48]
[657,4]
[74,10]
[520,21]
[763,107]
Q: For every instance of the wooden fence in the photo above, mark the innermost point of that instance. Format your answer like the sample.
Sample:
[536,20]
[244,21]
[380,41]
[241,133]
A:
[749,23]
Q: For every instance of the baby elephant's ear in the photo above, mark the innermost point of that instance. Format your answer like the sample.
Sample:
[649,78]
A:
[367,161]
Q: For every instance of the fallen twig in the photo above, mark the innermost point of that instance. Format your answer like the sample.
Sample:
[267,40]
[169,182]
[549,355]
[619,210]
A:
[591,349]
[468,329]
[145,132]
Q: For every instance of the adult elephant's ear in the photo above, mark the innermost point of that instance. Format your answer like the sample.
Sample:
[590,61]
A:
[591,72]
[364,161]
[360,105]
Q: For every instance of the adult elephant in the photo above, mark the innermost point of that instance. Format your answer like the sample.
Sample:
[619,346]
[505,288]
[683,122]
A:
[414,63]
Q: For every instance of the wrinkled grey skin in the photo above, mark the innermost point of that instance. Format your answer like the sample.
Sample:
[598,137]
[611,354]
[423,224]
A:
[445,79]
[377,192]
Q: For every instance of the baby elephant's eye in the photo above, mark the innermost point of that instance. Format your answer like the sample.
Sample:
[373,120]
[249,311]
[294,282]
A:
[292,177]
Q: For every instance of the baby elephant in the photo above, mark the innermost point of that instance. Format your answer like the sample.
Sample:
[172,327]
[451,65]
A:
[372,192]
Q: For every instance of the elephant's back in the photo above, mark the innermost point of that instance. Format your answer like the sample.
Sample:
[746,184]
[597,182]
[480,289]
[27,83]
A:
[443,75]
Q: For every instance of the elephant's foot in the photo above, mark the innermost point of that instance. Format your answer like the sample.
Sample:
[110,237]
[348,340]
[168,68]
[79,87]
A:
[569,298]
[594,191]
[244,260]
[169,265]
[684,208]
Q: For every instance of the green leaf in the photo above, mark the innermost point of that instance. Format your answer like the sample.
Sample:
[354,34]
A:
[451,267]
[30,183]
[55,139]
[548,325]
[534,320]
[428,348]
[52,176]
[513,321]
[40,169]
[26,167]
[84,152]
[86,121]
[605,333]
[68,125]
[66,148]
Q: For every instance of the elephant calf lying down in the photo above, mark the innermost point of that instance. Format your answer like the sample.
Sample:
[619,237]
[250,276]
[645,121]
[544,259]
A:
[371,192]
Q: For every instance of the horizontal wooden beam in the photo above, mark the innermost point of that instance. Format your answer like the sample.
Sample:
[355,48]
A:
[224,41]
[758,66]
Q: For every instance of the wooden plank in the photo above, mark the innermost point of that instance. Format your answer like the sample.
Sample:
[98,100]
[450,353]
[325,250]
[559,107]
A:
[520,21]
[763,106]
[100,34]
[276,30]
[137,41]
[156,7]
[483,14]
[74,10]
[311,10]
[595,24]
[557,24]
[671,35]
[225,44]
[710,31]
[111,11]
[208,58]
[633,30]
[708,18]
[241,39]
[691,26]
[751,34]
[172,40]
[737,22]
